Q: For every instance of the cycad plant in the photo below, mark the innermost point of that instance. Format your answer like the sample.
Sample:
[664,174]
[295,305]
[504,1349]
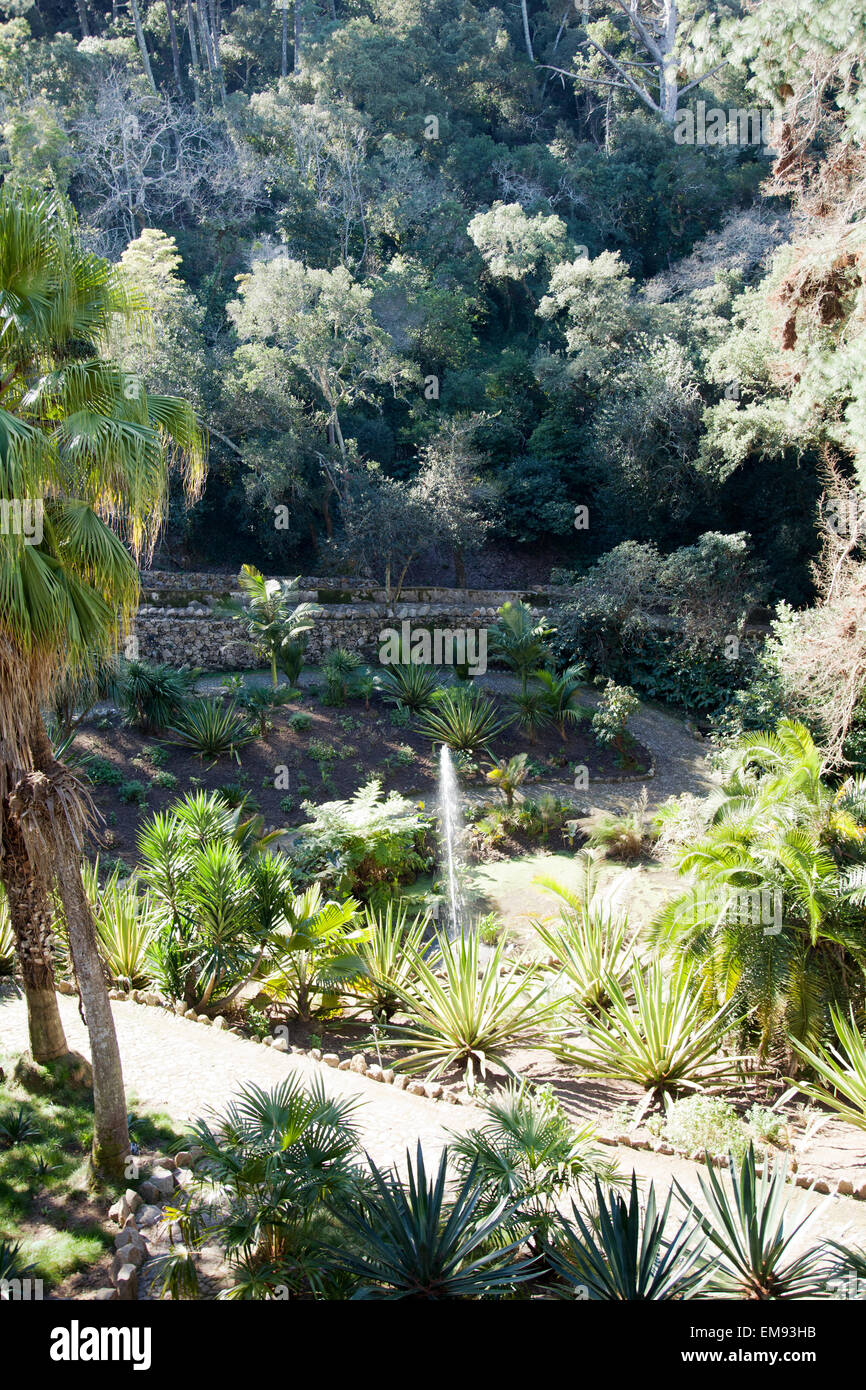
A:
[630,1253]
[750,1237]
[414,1240]
[508,775]
[520,639]
[275,622]
[94,446]
[464,718]
[472,1017]
[769,918]
[412,686]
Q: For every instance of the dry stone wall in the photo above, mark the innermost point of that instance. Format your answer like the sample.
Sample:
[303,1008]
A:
[179,622]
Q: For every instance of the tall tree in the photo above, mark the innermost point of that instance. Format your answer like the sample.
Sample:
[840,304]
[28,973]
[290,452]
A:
[88,444]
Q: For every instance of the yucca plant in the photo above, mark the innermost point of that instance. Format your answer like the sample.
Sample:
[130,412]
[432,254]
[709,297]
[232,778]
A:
[387,952]
[126,924]
[465,719]
[212,729]
[152,695]
[590,943]
[841,1070]
[559,694]
[412,1241]
[476,1014]
[412,686]
[629,1252]
[744,1219]
[663,1040]
[527,1152]
[508,775]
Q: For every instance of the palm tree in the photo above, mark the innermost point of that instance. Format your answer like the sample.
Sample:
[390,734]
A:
[86,444]
[274,621]
[508,774]
[560,696]
[519,638]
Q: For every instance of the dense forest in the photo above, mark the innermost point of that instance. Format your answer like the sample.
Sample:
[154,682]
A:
[486,294]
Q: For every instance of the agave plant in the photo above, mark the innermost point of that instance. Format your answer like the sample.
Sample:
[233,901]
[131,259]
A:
[628,1254]
[387,952]
[465,719]
[662,1040]
[275,1161]
[126,924]
[412,1242]
[745,1221]
[211,729]
[473,1016]
[7,938]
[508,775]
[412,686]
[590,943]
[527,1152]
[842,1072]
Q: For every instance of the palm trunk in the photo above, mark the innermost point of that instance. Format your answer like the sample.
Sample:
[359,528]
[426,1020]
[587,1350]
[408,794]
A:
[110,1128]
[30,917]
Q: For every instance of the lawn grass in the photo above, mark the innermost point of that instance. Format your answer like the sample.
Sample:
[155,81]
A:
[51,1206]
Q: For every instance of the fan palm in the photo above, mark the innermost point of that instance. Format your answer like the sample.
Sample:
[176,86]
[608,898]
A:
[314,953]
[88,442]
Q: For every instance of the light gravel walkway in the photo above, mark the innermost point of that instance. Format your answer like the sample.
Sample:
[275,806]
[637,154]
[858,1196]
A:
[181,1069]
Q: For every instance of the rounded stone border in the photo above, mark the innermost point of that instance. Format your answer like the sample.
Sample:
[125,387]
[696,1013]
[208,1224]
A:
[810,1181]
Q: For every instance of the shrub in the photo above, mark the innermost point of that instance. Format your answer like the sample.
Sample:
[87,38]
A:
[366,843]
[102,773]
[134,793]
[705,1124]
[211,729]
[151,696]
[627,836]
[464,719]
[164,779]
[300,722]
[412,686]
[610,721]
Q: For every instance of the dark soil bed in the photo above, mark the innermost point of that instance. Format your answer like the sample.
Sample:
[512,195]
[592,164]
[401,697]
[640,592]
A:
[354,744]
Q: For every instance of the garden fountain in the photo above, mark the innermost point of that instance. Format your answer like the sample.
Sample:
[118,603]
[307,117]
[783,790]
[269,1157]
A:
[451,831]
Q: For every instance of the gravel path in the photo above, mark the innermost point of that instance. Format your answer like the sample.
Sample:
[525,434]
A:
[181,1069]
